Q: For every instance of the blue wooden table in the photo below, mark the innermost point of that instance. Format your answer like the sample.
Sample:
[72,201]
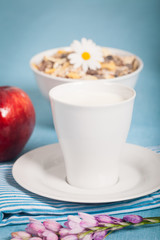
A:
[28,27]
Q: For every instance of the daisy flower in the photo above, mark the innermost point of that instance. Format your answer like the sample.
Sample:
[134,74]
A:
[85,54]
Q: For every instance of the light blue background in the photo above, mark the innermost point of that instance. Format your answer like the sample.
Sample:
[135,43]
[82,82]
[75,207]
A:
[28,27]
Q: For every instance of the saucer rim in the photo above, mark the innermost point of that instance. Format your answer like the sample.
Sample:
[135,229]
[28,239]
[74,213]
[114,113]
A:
[61,198]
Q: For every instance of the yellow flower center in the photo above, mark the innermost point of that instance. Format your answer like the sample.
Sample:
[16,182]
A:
[86,56]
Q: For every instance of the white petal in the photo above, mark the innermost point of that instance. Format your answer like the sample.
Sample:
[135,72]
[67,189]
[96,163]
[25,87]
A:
[74,58]
[77,65]
[76,46]
[83,41]
[93,64]
[72,55]
[85,66]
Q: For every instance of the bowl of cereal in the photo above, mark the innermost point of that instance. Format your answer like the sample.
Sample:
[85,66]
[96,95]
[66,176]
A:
[84,61]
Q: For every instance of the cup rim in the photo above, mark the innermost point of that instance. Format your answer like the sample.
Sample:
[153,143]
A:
[92,106]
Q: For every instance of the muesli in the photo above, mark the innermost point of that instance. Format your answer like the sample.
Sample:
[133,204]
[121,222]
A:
[85,60]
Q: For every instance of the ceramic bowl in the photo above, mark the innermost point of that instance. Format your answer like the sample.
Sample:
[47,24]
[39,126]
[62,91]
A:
[46,82]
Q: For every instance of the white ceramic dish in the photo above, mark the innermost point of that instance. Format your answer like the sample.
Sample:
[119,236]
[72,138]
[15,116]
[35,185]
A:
[42,171]
[46,81]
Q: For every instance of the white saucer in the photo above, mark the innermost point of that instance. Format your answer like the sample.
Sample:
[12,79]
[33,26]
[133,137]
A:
[42,171]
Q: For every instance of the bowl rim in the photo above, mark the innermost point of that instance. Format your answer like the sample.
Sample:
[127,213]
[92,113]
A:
[43,53]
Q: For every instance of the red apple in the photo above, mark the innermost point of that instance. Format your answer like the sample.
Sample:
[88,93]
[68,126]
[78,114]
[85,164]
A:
[17,121]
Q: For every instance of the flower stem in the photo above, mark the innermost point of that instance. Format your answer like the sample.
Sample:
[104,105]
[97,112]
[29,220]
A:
[108,234]
[152,219]
[149,220]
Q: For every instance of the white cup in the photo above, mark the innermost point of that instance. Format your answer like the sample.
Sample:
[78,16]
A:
[92,121]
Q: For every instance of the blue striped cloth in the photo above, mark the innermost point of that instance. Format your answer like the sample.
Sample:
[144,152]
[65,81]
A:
[18,204]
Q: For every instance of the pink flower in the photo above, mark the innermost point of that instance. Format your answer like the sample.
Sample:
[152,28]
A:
[70,237]
[73,221]
[35,238]
[133,218]
[49,235]
[87,237]
[108,219]
[88,221]
[73,226]
[52,225]
[64,231]
[21,235]
[16,238]
[74,218]
[35,227]
[99,235]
